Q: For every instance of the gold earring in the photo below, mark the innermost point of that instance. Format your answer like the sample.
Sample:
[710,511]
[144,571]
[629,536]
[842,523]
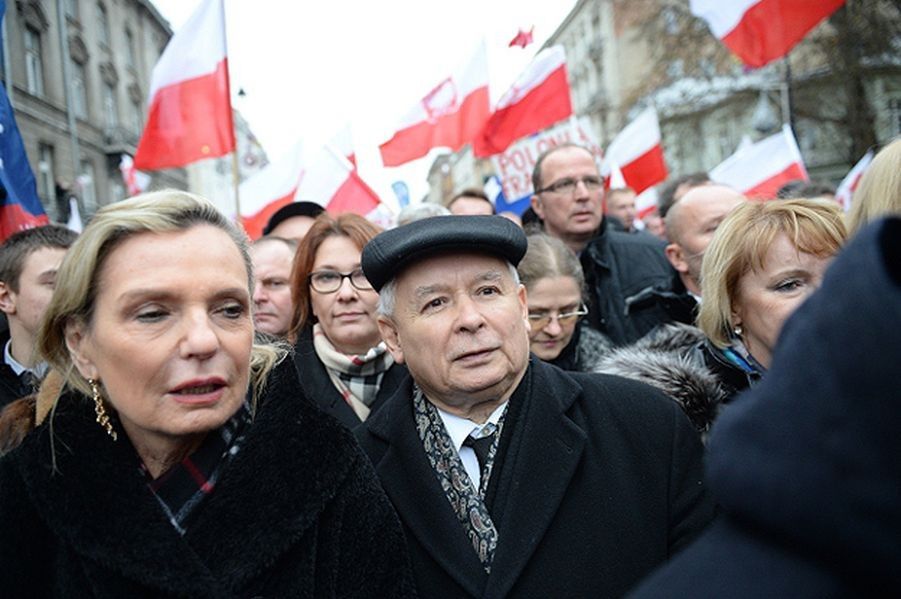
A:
[100,410]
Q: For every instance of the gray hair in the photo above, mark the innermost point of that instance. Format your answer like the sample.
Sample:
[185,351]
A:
[388,294]
[416,212]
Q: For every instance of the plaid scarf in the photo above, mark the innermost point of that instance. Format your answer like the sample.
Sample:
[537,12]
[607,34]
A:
[468,504]
[182,488]
[357,378]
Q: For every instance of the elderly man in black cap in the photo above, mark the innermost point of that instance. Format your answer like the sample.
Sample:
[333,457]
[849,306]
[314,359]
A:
[510,476]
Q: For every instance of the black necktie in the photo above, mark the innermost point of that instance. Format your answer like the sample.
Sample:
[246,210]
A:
[481,447]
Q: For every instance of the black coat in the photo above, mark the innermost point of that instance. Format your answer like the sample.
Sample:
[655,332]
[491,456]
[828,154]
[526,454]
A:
[599,481]
[11,386]
[632,287]
[316,384]
[297,512]
[805,464]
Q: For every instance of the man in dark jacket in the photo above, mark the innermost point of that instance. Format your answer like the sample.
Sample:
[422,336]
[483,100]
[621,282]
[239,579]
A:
[513,478]
[29,260]
[806,465]
[629,280]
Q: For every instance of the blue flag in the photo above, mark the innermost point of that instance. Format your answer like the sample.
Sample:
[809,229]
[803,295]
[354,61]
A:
[20,207]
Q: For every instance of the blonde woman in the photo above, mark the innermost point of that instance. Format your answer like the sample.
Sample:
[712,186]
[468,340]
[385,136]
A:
[178,457]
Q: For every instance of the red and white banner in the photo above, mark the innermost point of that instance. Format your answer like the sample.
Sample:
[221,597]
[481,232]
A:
[638,152]
[189,111]
[760,31]
[759,170]
[451,115]
[538,99]
[135,181]
[325,177]
[845,192]
[514,166]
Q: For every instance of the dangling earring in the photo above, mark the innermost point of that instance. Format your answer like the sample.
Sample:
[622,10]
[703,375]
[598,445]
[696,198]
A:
[100,410]
[737,330]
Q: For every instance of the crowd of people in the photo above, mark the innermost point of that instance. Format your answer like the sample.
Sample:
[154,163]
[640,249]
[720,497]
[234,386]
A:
[459,406]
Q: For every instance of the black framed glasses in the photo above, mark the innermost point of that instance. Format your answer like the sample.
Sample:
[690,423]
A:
[330,281]
[568,186]
[539,320]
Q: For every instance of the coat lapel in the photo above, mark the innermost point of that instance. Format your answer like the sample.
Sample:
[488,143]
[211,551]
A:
[410,483]
[545,449]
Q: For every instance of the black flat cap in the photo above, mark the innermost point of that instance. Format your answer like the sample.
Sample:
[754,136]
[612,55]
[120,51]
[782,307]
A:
[390,251]
[291,210]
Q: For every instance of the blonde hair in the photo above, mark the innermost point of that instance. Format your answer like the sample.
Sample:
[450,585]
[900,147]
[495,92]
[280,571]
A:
[742,241]
[879,191]
[77,279]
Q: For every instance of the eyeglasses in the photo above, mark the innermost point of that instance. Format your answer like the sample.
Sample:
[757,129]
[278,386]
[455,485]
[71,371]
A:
[539,320]
[330,281]
[568,185]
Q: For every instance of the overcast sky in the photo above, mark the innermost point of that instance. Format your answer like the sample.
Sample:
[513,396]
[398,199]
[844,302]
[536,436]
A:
[310,67]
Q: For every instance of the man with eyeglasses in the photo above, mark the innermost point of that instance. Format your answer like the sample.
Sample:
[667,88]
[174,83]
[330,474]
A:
[512,477]
[629,280]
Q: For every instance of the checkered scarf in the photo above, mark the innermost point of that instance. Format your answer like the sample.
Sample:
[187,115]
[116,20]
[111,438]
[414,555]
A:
[182,488]
[357,377]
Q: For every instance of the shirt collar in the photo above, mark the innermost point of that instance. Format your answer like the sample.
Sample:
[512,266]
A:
[458,428]
[38,370]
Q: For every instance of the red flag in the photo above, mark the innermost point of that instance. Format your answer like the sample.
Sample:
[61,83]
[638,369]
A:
[326,178]
[759,170]
[522,38]
[846,188]
[638,152]
[189,115]
[538,99]
[450,115]
[760,31]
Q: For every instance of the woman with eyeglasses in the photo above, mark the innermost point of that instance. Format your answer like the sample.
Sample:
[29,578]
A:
[555,288]
[341,361]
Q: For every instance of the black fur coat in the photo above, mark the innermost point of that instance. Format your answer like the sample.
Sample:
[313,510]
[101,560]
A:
[297,513]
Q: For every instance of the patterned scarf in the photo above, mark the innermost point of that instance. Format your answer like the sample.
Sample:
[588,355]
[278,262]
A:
[468,504]
[357,378]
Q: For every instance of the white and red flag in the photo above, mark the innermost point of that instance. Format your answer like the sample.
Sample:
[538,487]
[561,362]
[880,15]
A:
[325,177]
[343,142]
[135,181]
[450,115]
[189,114]
[759,170]
[846,188]
[637,151]
[538,98]
[760,31]
[522,38]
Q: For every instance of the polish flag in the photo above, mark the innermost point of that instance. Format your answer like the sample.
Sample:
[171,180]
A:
[326,178]
[450,115]
[269,189]
[759,170]
[522,38]
[637,151]
[189,115]
[760,31]
[135,181]
[846,188]
[538,99]
[343,142]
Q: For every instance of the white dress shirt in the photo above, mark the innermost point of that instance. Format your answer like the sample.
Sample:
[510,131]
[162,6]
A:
[458,428]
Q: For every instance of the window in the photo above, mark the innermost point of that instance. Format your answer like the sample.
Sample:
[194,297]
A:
[103,26]
[46,178]
[130,49]
[88,186]
[110,106]
[79,90]
[894,113]
[34,62]
[72,9]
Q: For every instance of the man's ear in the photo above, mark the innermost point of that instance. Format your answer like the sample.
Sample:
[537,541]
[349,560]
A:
[79,349]
[390,336]
[674,254]
[7,299]
[538,207]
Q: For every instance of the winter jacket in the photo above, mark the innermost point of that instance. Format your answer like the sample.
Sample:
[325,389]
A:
[584,350]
